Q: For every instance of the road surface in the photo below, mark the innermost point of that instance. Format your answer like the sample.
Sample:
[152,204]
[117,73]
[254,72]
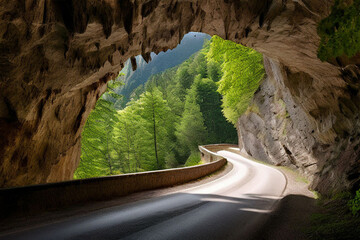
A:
[230,207]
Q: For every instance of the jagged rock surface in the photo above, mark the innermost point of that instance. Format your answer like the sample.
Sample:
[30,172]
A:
[56,57]
[294,122]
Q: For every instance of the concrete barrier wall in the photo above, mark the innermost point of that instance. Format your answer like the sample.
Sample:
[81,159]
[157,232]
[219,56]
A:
[207,155]
[32,199]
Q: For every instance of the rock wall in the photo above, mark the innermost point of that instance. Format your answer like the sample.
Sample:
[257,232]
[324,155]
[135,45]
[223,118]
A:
[57,55]
[293,121]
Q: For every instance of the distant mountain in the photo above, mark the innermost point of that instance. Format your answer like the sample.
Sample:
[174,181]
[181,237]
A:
[191,43]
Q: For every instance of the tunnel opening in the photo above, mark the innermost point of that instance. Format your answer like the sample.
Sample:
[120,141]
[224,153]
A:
[56,60]
[156,113]
[55,67]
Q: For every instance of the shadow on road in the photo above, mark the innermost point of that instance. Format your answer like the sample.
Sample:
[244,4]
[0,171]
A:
[289,220]
[183,216]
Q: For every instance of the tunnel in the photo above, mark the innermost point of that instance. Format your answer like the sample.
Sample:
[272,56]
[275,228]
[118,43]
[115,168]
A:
[57,57]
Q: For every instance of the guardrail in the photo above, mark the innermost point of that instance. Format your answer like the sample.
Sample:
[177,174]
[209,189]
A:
[207,154]
[37,198]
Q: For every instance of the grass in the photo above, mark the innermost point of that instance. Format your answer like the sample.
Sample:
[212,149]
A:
[316,194]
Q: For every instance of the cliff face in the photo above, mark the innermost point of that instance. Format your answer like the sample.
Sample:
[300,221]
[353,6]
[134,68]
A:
[56,57]
[293,121]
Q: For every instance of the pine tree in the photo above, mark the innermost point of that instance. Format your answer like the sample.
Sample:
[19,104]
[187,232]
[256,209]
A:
[214,70]
[184,80]
[174,112]
[209,100]
[97,156]
[157,120]
[131,136]
[191,131]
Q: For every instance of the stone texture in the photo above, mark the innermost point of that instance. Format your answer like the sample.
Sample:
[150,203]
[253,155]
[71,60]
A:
[56,57]
[293,122]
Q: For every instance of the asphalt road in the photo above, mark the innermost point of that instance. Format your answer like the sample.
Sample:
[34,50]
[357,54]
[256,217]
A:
[230,207]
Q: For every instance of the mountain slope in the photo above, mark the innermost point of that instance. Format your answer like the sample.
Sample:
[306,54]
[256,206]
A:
[191,43]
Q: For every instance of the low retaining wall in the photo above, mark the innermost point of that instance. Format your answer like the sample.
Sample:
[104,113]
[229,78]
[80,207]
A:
[32,199]
[207,155]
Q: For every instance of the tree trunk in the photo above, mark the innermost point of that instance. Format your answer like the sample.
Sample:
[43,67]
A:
[155,144]
[107,154]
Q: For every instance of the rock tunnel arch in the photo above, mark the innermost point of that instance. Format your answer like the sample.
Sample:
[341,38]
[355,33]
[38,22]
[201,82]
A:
[56,57]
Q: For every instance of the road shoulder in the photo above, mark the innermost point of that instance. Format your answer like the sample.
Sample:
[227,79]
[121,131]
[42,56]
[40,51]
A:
[291,216]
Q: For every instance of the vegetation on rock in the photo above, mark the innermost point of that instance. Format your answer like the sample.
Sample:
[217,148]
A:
[354,204]
[242,70]
[340,31]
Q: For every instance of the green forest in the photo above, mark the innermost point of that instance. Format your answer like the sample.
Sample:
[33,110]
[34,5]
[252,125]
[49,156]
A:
[195,103]
[190,44]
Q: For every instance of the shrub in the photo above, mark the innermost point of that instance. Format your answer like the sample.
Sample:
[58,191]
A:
[354,204]
[340,31]
[243,71]
[193,160]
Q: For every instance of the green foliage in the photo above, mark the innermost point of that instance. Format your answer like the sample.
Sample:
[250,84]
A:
[354,204]
[190,44]
[131,137]
[191,131]
[131,140]
[158,121]
[135,95]
[340,31]
[163,123]
[184,80]
[209,100]
[242,70]
[170,160]
[97,155]
[199,65]
[214,71]
[193,160]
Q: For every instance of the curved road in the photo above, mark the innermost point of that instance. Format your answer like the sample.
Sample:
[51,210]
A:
[230,207]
